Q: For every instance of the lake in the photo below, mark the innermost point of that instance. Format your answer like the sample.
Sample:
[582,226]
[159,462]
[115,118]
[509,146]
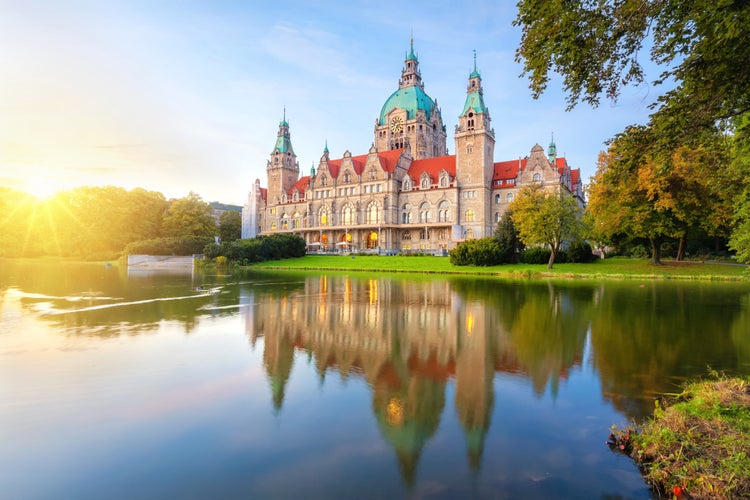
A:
[181,384]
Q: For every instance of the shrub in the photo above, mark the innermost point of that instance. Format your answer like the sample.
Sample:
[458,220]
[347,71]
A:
[248,251]
[183,245]
[480,252]
[580,251]
[535,255]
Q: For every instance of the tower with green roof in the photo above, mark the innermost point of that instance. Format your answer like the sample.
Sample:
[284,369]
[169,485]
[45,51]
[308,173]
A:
[282,167]
[475,152]
[410,116]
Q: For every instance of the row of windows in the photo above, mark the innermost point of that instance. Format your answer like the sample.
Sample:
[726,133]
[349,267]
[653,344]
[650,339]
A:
[424,183]
[469,194]
[499,198]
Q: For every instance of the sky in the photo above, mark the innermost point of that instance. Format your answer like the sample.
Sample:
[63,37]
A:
[186,96]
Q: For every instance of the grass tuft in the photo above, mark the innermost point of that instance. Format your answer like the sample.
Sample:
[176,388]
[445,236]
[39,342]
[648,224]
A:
[697,446]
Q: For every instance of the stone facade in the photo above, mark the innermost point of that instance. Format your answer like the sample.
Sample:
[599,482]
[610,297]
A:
[405,194]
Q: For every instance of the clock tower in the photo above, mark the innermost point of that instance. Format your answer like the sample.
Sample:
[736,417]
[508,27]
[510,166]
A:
[411,116]
[282,167]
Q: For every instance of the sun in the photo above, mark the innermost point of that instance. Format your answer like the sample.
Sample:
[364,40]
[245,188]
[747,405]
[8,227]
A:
[41,187]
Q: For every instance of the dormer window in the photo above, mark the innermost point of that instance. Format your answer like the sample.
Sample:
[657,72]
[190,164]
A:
[425,183]
[407,185]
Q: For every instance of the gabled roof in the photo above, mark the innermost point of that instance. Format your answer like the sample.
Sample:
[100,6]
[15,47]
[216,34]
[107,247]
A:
[433,167]
[301,185]
[388,161]
[508,169]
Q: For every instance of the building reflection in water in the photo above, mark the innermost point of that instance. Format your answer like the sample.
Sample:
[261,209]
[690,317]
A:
[408,339]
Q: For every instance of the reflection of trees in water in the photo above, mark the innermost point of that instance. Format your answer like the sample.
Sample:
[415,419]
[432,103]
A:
[646,339]
[118,304]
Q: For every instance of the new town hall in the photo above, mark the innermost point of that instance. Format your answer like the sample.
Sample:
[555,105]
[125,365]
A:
[405,193]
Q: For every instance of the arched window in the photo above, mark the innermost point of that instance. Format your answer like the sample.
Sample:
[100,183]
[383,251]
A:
[347,178]
[424,234]
[373,213]
[323,180]
[406,236]
[323,216]
[424,212]
[498,198]
[509,197]
[469,215]
[284,222]
[444,213]
[347,215]
[469,234]
[444,181]
[425,183]
[296,220]
[497,217]
[537,177]
[406,186]
[406,215]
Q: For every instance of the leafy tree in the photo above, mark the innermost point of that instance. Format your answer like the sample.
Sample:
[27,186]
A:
[189,216]
[545,217]
[506,235]
[597,48]
[643,191]
[230,225]
[740,239]
[19,233]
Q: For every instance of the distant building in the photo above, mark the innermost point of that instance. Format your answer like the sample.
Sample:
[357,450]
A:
[406,193]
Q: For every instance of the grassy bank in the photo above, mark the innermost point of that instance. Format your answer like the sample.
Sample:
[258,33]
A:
[699,445]
[616,268]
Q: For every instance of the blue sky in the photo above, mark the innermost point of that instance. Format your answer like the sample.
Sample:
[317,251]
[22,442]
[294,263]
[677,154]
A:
[180,96]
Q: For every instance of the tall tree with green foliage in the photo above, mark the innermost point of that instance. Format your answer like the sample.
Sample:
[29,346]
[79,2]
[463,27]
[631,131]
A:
[546,217]
[230,226]
[189,216]
[700,47]
[740,240]
[597,47]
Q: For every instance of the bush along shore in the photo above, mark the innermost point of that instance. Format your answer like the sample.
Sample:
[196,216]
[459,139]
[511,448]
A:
[698,444]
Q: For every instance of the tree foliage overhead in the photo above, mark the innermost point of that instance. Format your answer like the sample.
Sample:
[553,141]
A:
[597,46]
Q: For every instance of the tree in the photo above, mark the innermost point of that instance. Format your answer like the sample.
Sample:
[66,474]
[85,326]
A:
[506,235]
[597,48]
[643,191]
[230,225]
[740,240]
[545,217]
[189,216]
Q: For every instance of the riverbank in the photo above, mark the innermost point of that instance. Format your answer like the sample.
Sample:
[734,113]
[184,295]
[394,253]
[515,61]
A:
[699,445]
[613,268]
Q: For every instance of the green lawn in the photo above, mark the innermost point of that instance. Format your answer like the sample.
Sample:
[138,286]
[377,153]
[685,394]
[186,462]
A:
[618,268]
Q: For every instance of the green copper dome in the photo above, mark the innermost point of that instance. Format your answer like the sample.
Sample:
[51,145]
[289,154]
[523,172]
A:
[410,99]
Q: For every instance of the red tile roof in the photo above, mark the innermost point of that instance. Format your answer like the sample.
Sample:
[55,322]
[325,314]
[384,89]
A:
[264,194]
[301,185]
[433,166]
[388,161]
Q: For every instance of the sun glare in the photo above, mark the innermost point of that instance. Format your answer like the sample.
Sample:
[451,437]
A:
[41,187]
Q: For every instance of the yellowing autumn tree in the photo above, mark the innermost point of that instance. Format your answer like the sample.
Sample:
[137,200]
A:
[546,217]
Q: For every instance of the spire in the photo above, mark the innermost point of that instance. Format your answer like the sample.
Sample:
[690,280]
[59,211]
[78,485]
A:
[312,170]
[474,99]
[411,55]
[552,149]
[410,76]
[475,73]
[283,139]
[325,149]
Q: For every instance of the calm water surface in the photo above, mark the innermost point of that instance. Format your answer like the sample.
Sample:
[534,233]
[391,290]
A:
[292,385]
